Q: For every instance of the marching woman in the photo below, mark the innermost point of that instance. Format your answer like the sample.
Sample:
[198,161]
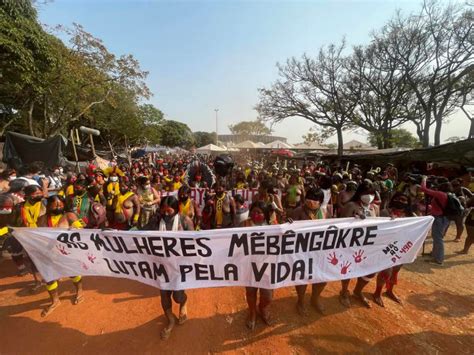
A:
[399,206]
[259,216]
[56,217]
[310,210]
[360,206]
[30,214]
[169,219]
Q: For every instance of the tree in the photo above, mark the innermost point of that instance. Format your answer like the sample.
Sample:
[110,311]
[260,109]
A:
[434,49]
[399,138]
[204,138]
[249,128]
[317,135]
[315,89]
[175,134]
[26,56]
[379,90]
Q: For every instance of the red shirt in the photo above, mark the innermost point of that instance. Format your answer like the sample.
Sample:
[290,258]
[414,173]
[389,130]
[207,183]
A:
[439,201]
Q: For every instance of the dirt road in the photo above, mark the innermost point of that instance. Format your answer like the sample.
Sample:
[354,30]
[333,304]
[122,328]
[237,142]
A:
[123,317]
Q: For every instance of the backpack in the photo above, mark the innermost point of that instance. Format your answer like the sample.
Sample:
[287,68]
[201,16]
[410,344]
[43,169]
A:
[453,207]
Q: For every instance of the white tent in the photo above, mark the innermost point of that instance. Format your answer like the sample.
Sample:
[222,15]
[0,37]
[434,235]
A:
[210,148]
[278,145]
[247,145]
[310,146]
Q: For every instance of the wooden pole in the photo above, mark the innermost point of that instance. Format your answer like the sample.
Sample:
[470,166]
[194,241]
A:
[92,146]
[74,150]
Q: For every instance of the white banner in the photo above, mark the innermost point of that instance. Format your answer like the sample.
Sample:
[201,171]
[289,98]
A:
[268,257]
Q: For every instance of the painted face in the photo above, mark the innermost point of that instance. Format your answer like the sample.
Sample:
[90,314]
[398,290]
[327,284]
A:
[257,216]
[35,197]
[312,204]
[56,207]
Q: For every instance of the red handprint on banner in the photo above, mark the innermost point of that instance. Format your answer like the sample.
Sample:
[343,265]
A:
[345,267]
[84,266]
[359,256]
[62,249]
[333,259]
[91,258]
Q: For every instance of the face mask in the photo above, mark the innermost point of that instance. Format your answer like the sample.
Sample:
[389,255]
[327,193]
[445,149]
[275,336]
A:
[367,199]
[258,218]
[114,178]
[56,172]
[147,187]
[60,170]
[35,199]
[6,211]
[57,211]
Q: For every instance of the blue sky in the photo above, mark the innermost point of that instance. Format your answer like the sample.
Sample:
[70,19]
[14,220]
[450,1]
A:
[203,55]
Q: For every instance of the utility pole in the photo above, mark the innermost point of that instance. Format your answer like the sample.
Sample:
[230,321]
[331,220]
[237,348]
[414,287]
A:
[217,126]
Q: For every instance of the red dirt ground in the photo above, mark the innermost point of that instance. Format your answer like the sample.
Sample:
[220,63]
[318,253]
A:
[123,317]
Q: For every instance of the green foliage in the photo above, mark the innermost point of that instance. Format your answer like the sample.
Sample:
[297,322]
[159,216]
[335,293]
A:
[204,138]
[316,134]
[176,134]
[48,87]
[248,128]
[397,138]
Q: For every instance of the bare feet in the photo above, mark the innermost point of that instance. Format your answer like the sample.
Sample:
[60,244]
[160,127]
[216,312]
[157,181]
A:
[378,299]
[36,287]
[316,303]
[165,333]
[302,310]
[78,299]
[360,296]
[48,310]
[457,240]
[393,297]
[251,320]
[266,316]
[345,299]
[461,252]
[183,314]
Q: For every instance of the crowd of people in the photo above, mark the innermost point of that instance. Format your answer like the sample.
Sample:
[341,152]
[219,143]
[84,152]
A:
[154,193]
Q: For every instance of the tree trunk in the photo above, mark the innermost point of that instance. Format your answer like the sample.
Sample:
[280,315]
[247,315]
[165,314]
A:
[387,139]
[439,125]
[380,141]
[426,130]
[30,118]
[471,130]
[340,142]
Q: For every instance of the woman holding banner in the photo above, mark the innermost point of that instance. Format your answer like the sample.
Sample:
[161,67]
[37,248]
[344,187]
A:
[56,217]
[310,210]
[169,219]
[400,206]
[259,216]
[360,206]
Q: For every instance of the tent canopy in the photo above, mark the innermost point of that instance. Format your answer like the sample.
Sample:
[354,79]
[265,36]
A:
[21,149]
[210,148]
[278,145]
[247,145]
[461,153]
